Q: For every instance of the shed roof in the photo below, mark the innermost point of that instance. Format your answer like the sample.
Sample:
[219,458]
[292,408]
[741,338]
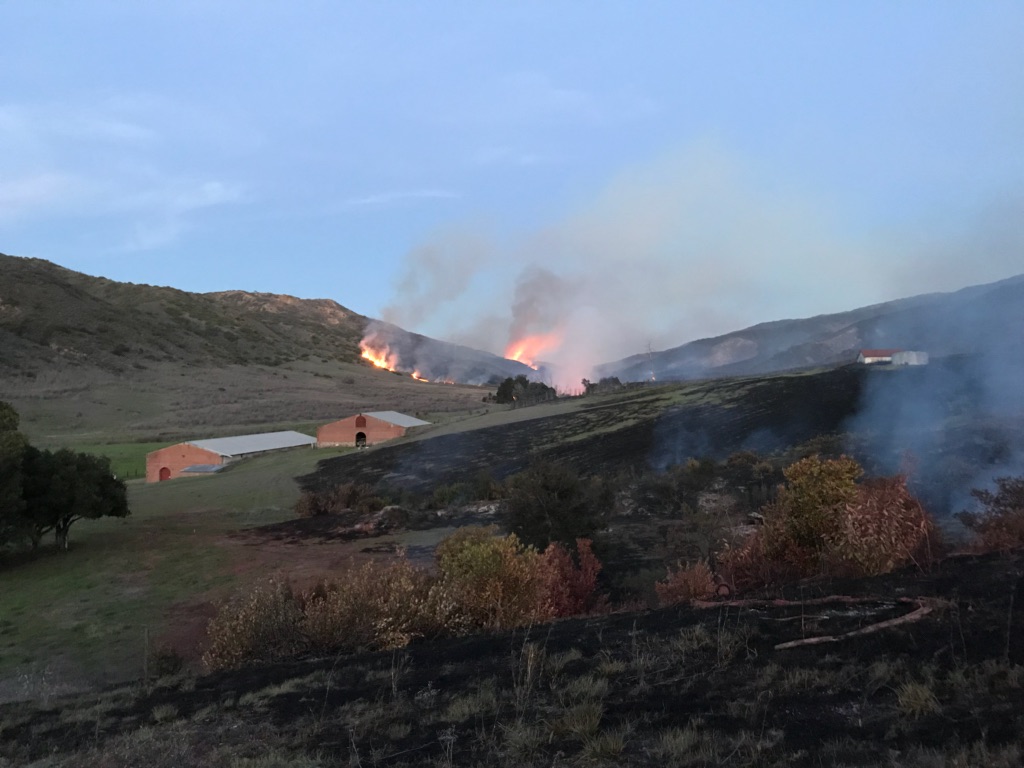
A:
[243,444]
[879,352]
[204,468]
[398,419]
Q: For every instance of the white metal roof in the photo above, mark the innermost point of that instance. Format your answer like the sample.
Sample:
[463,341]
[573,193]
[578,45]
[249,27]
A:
[398,419]
[243,444]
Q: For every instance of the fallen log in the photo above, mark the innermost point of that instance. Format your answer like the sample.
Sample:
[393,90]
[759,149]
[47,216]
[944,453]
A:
[923,610]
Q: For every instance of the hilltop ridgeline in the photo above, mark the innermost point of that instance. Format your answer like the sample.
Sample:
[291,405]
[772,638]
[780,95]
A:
[54,316]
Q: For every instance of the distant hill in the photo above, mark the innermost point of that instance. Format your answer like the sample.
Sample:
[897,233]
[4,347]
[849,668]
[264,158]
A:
[964,322]
[51,315]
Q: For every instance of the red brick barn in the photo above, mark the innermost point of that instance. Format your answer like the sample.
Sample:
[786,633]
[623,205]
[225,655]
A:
[203,456]
[367,429]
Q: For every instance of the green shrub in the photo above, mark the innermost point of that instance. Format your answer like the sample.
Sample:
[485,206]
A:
[807,511]
[495,580]
[550,503]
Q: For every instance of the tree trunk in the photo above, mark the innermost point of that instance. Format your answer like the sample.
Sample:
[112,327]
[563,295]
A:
[60,533]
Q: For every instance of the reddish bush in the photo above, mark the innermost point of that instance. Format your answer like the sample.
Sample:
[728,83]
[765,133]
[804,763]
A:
[825,523]
[568,589]
[691,582]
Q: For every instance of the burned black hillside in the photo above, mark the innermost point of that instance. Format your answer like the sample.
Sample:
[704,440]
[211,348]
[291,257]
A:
[932,421]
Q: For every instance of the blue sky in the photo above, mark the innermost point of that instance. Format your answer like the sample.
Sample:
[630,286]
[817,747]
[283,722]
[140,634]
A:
[622,173]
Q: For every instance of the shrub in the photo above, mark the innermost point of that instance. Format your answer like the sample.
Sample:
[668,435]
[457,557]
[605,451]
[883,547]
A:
[377,607]
[1000,525]
[550,503]
[823,521]
[264,625]
[445,496]
[356,497]
[568,586]
[496,581]
[485,581]
[807,510]
[884,527]
[691,582]
[749,565]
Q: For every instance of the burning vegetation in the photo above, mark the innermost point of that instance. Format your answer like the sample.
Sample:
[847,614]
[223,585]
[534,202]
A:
[528,349]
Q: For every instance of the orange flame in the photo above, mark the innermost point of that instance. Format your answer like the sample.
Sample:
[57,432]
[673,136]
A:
[416,375]
[529,348]
[382,358]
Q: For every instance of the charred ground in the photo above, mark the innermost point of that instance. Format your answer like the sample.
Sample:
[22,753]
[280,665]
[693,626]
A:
[678,686]
[860,410]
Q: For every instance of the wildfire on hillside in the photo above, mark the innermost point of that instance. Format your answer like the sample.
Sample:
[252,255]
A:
[379,355]
[528,349]
[416,375]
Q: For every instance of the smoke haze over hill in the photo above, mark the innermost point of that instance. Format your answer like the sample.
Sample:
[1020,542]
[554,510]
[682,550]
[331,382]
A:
[690,246]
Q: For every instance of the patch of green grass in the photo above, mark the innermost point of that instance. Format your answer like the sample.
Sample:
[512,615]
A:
[127,460]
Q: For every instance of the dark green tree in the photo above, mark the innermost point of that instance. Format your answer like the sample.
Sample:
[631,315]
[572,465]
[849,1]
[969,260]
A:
[62,487]
[12,450]
[551,503]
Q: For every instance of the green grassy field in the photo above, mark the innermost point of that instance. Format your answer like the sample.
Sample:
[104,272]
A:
[87,613]
[127,460]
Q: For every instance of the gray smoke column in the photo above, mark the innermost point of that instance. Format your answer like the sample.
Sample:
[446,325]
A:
[436,274]
[959,420]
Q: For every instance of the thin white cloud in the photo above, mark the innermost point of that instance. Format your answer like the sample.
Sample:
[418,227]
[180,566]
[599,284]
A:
[165,214]
[388,198]
[36,193]
[39,122]
[111,159]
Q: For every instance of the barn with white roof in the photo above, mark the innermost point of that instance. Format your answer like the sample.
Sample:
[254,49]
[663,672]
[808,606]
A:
[367,428]
[197,457]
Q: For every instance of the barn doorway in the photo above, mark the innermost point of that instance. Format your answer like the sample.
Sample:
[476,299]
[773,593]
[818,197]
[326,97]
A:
[360,439]
[165,473]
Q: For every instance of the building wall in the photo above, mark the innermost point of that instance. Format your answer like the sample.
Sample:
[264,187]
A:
[175,458]
[344,432]
[910,358]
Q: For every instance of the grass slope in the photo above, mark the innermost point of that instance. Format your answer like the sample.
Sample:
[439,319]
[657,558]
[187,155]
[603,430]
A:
[82,617]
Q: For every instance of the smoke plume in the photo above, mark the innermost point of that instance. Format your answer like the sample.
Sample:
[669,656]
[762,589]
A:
[691,246]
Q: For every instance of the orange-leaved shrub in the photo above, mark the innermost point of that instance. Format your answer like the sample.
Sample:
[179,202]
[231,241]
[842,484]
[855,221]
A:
[689,582]
[999,527]
[882,528]
[823,522]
